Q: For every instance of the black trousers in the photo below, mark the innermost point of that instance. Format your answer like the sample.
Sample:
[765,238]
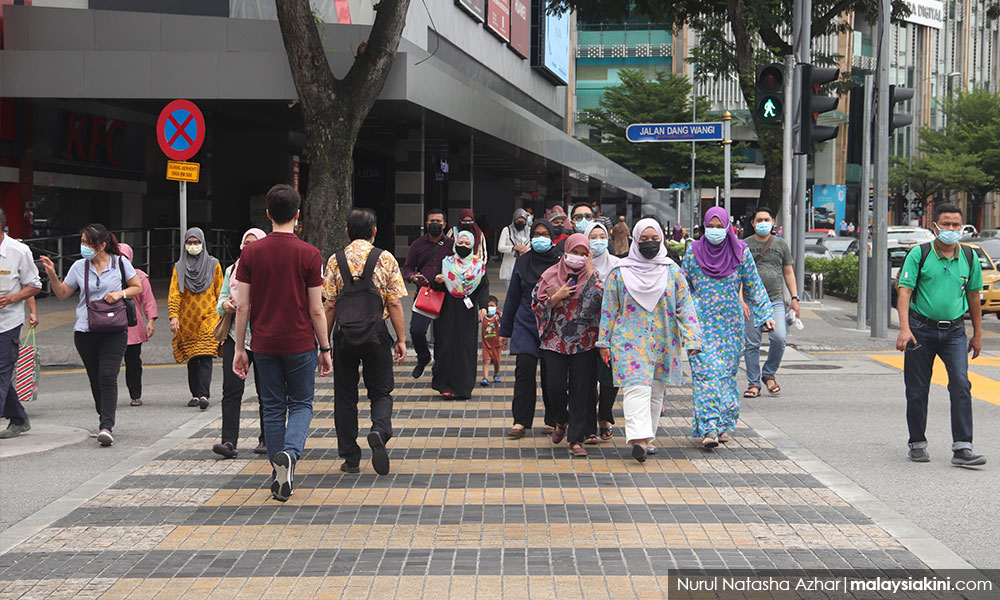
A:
[572,383]
[102,355]
[232,395]
[200,376]
[608,394]
[418,335]
[133,370]
[376,364]
[525,391]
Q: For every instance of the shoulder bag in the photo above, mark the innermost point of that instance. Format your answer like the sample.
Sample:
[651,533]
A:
[428,302]
[102,317]
[133,318]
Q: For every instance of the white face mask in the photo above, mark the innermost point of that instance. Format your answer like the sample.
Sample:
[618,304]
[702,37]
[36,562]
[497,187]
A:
[194,249]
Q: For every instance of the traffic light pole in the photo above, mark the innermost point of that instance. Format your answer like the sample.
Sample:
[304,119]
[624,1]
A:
[880,256]
[866,184]
[801,34]
[787,152]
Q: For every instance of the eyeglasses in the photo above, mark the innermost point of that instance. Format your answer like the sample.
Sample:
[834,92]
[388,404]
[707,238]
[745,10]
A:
[581,217]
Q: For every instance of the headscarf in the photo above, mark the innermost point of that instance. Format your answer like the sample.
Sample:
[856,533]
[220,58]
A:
[555,211]
[606,261]
[722,260]
[646,278]
[523,237]
[462,275]
[555,276]
[234,283]
[678,232]
[195,273]
[478,233]
[532,264]
[126,251]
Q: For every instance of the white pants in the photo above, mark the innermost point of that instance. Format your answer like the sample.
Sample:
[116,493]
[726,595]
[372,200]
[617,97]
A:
[641,404]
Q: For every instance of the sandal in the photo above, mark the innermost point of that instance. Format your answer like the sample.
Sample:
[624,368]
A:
[753,391]
[639,452]
[485,382]
[576,449]
[136,402]
[558,433]
[710,442]
[516,432]
[606,433]
[724,438]
[591,440]
[775,389]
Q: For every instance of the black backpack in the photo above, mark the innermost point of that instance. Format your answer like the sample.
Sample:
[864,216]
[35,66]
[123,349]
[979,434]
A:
[925,249]
[358,319]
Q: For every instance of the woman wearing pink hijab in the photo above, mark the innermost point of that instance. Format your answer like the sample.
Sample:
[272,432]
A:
[233,386]
[145,308]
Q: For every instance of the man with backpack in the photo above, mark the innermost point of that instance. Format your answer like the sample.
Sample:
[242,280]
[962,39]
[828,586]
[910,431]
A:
[281,297]
[938,283]
[356,308]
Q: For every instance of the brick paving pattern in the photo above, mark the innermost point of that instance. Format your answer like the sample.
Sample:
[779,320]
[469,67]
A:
[464,513]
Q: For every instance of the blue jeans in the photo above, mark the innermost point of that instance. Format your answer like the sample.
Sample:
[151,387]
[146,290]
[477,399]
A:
[953,347]
[751,349]
[287,386]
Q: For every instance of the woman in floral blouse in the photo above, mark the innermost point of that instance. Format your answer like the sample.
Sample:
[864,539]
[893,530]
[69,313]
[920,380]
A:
[647,317]
[567,307]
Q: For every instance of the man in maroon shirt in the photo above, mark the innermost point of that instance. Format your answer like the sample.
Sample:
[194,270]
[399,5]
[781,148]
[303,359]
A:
[281,296]
[423,262]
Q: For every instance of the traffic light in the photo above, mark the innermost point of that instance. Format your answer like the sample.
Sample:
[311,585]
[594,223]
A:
[813,105]
[769,86]
[897,95]
[856,125]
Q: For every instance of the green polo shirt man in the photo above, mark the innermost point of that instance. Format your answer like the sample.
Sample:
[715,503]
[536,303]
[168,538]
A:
[931,326]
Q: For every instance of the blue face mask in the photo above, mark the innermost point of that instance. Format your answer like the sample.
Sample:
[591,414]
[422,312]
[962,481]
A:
[87,252]
[949,237]
[763,228]
[582,226]
[716,235]
[528,220]
[541,244]
[598,247]
[491,311]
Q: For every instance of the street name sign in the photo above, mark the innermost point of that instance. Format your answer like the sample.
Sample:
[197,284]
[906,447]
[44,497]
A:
[674,132]
[183,171]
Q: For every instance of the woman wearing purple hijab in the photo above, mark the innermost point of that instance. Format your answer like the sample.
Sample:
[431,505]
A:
[717,266]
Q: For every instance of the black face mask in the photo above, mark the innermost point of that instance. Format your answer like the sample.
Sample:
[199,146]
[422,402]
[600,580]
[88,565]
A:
[649,249]
[463,251]
[467,226]
[435,229]
[519,225]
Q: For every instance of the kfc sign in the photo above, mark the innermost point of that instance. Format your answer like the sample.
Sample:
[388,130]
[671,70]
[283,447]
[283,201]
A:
[90,138]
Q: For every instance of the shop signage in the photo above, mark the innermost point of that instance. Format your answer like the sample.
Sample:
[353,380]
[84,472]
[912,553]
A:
[476,8]
[552,55]
[520,27]
[183,171]
[929,13]
[180,130]
[89,138]
[498,18]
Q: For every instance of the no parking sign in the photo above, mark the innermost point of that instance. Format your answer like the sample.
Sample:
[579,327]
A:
[180,130]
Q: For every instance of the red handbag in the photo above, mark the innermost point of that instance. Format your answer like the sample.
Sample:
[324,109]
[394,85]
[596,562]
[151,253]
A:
[428,302]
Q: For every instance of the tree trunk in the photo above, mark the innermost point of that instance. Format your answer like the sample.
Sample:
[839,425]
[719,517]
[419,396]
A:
[333,110]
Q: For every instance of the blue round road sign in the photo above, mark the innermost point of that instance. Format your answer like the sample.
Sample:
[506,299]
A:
[180,130]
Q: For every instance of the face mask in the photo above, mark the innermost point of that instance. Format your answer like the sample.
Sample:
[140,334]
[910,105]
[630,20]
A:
[87,252]
[467,226]
[529,220]
[949,237]
[518,225]
[716,235]
[541,244]
[763,228]
[435,229]
[650,249]
[194,249]
[463,251]
[598,247]
[576,262]
[582,226]
[491,311]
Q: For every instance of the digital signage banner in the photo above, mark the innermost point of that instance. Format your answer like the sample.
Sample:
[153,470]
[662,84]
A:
[498,18]
[555,47]
[476,8]
[520,27]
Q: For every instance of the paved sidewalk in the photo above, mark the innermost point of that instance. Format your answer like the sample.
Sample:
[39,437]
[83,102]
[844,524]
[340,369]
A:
[464,513]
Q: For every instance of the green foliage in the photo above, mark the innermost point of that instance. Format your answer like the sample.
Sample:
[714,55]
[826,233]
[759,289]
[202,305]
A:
[664,99]
[840,275]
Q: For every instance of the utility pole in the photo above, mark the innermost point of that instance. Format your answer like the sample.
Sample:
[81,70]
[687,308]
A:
[787,153]
[880,307]
[727,144]
[866,184]
[695,200]
[801,33]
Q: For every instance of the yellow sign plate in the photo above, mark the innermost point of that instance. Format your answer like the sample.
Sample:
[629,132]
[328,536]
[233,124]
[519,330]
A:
[183,171]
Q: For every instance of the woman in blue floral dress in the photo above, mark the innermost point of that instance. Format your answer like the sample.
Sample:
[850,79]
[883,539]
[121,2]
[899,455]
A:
[647,319]
[717,267]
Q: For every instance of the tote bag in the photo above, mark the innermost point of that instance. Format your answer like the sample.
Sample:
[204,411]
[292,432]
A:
[27,369]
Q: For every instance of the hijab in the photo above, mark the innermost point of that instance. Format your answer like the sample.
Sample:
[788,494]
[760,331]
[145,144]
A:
[522,237]
[126,251]
[532,264]
[722,260]
[646,278]
[195,273]
[555,276]
[605,261]
[476,231]
[462,275]
[234,283]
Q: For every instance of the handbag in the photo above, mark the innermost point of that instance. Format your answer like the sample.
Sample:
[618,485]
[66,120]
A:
[221,332]
[27,369]
[428,302]
[133,318]
[101,316]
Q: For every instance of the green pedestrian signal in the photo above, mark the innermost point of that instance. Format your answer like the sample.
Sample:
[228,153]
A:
[769,109]
[770,93]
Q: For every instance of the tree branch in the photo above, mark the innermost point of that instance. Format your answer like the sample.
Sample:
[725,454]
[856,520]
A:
[371,69]
[771,39]
[306,57]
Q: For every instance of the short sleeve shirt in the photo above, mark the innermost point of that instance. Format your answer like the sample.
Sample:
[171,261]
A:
[941,293]
[387,277]
[108,280]
[771,266]
[17,271]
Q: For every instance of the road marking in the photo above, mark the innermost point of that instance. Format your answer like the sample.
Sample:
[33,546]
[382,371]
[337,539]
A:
[983,387]
[77,371]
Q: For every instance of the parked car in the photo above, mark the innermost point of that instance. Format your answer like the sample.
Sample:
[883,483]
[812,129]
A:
[817,251]
[829,232]
[989,298]
[969,232]
[839,246]
[992,247]
[909,236]
[988,234]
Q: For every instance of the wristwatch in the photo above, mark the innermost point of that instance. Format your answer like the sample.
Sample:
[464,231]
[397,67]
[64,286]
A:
[324,349]
[795,297]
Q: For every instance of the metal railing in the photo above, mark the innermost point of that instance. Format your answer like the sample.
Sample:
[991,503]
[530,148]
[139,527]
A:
[815,283]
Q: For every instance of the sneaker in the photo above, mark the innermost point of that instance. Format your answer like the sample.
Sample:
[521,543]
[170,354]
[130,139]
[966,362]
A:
[496,379]
[281,487]
[15,430]
[104,438]
[919,455]
[95,432]
[346,468]
[260,449]
[225,450]
[193,402]
[419,369]
[380,456]
[485,382]
[967,458]
[202,403]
